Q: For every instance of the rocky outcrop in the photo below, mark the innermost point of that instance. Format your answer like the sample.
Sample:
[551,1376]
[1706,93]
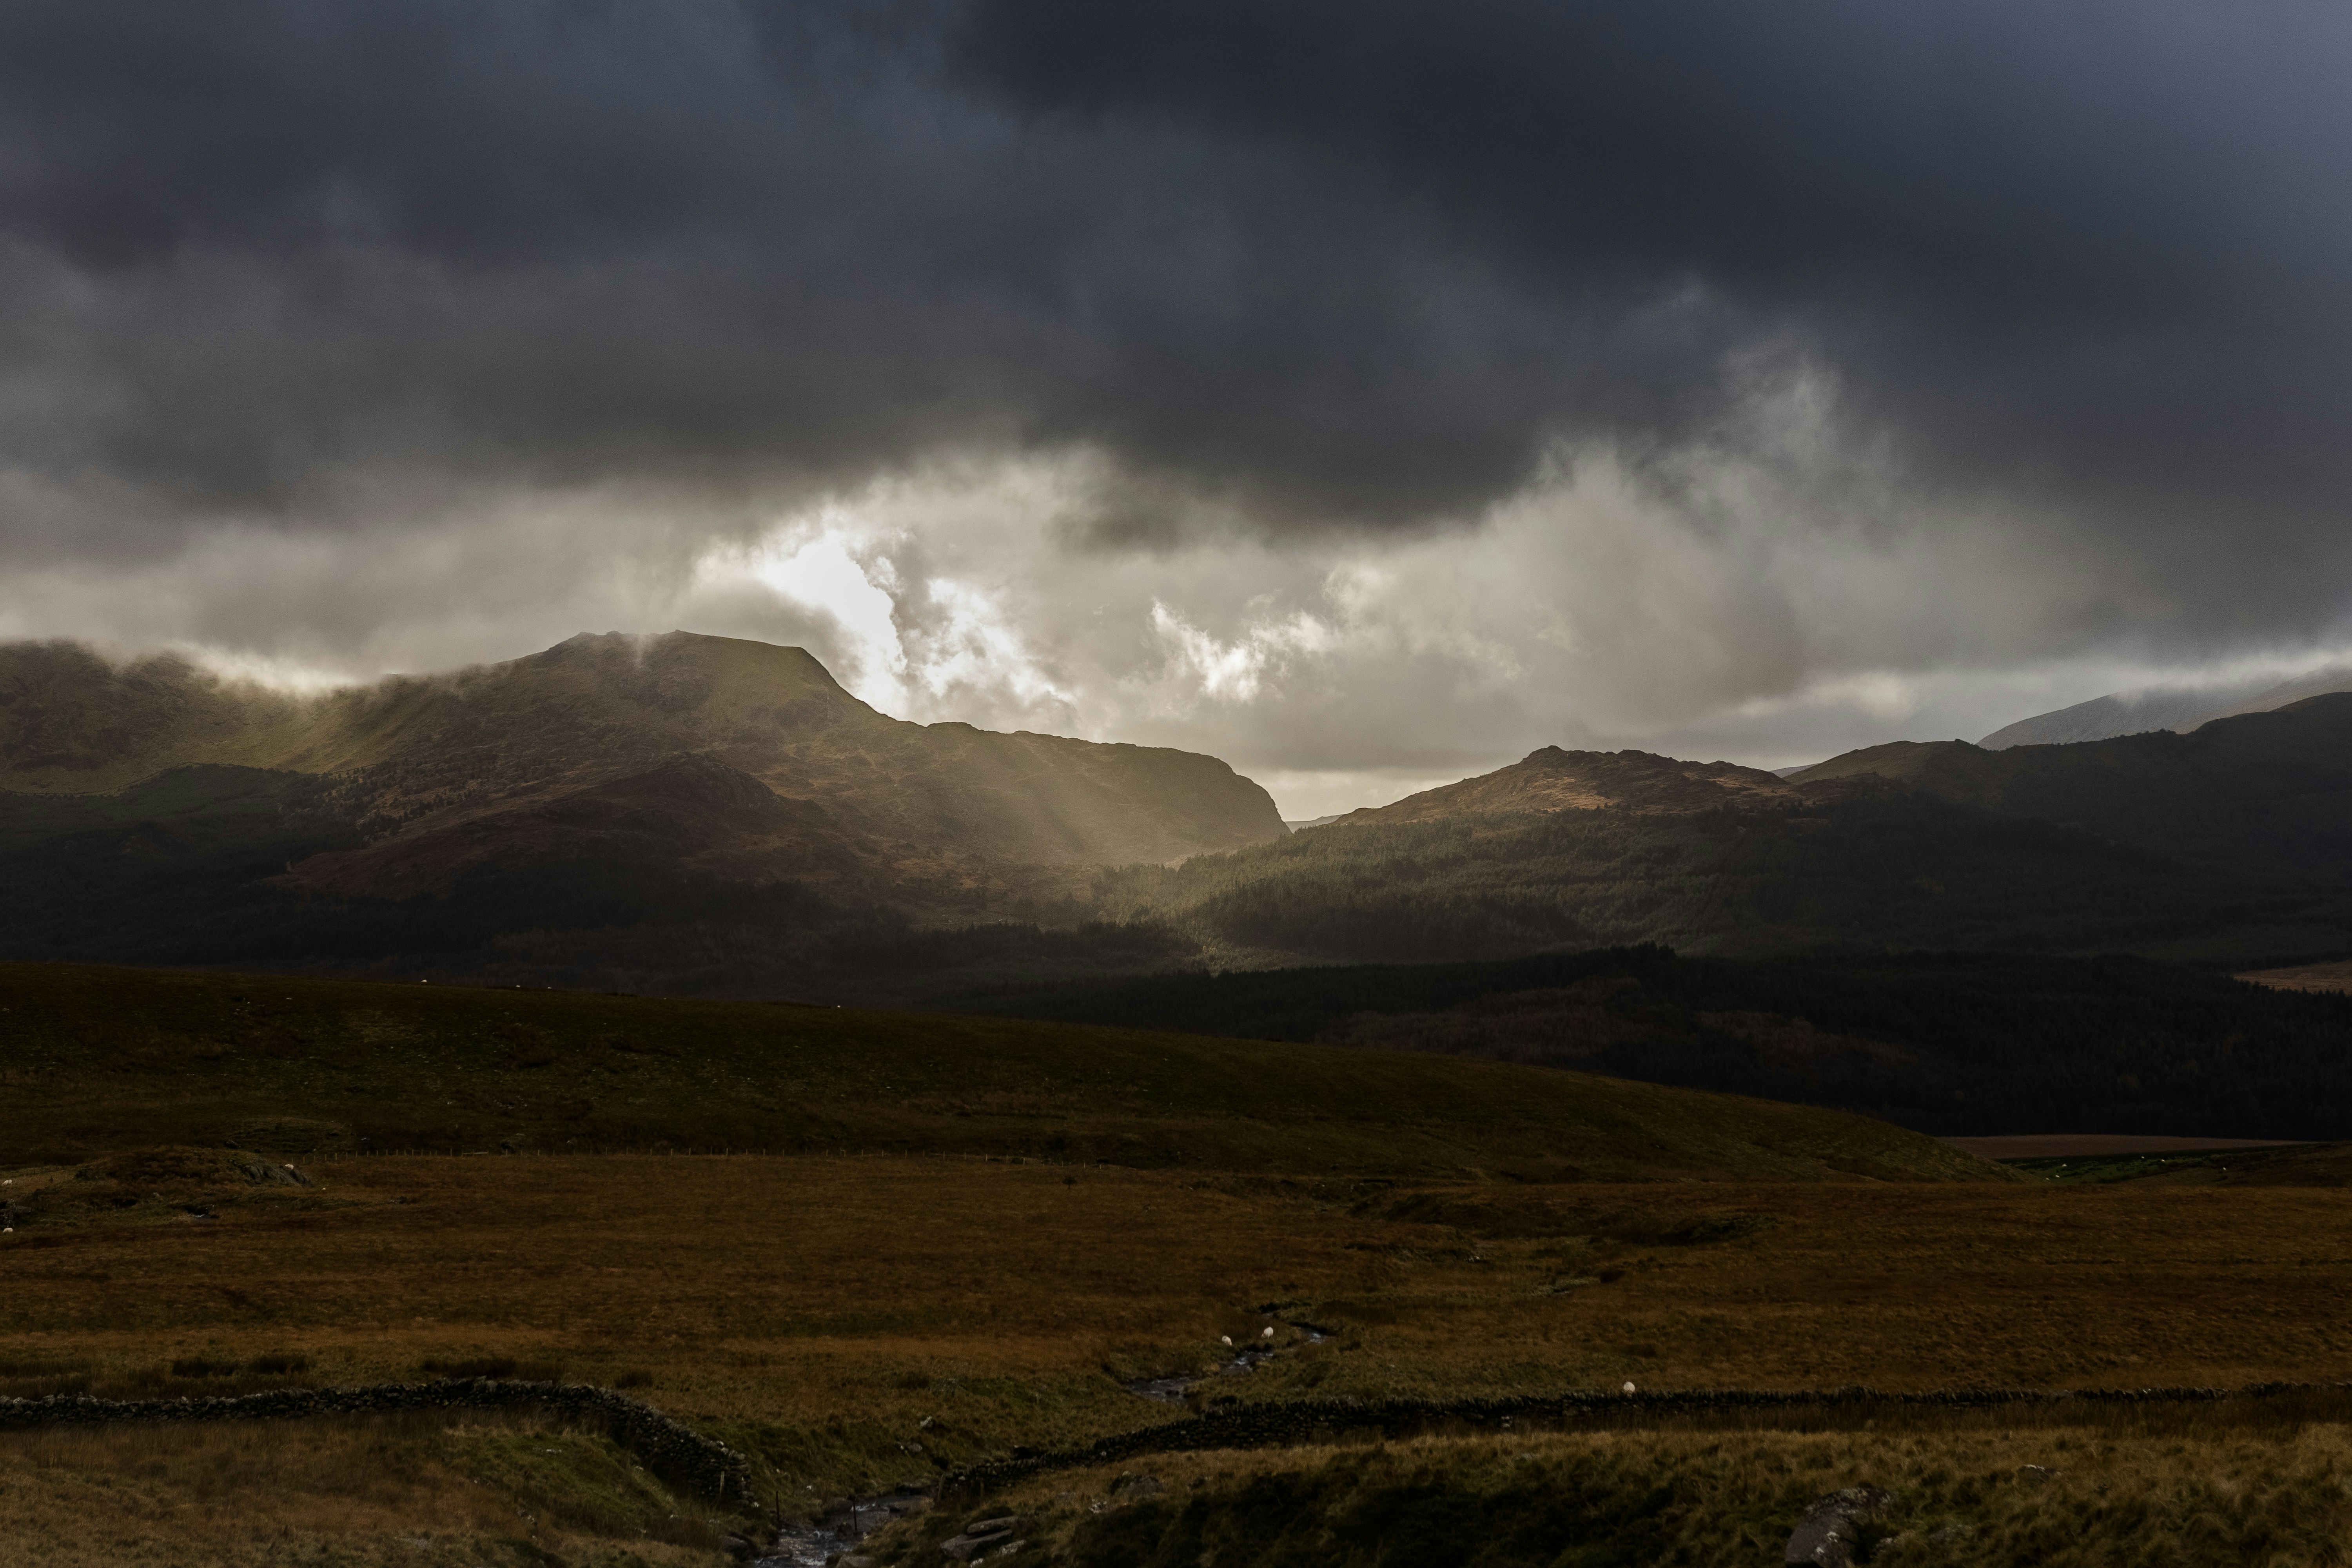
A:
[982,1536]
[1832,1531]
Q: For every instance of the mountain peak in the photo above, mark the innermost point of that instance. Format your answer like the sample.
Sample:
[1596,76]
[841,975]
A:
[425,753]
[1550,778]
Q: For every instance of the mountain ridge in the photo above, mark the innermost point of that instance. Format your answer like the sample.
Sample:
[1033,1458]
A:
[419,759]
[1552,779]
[2178,707]
[719,817]
[2262,789]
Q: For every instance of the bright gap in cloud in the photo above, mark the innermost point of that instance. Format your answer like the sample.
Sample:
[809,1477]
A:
[914,645]
[813,567]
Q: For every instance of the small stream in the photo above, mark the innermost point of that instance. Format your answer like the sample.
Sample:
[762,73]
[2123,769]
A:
[811,1545]
[1249,1358]
[840,1529]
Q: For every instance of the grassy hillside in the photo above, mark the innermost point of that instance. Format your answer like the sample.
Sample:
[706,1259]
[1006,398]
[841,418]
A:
[1950,1044]
[99,1058]
[188,868]
[2083,1495]
[2228,845]
[2293,1165]
[1875,864]
[1550,779]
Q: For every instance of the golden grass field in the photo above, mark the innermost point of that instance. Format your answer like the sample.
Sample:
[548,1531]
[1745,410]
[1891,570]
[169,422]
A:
[859,1322]
[1041,1212]
[388,1491]
[100,1059]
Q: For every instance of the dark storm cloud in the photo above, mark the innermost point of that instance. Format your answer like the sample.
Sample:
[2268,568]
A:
[258,244]
[2096,250]
[1306,263]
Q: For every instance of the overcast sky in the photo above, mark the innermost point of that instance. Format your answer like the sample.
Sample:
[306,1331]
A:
[1366,392]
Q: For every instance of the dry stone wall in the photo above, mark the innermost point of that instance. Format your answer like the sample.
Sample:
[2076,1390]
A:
[1278,1423]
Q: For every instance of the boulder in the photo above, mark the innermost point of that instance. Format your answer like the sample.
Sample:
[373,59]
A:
[982,1536]
[1831,1528]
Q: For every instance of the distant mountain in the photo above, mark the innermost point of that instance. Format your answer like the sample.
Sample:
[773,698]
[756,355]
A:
[2179,708]
[698,815]
[2268,793]
[610,780]
[2317,683]
[1554,780]
[812,779]
[1863,862]
[2234,841]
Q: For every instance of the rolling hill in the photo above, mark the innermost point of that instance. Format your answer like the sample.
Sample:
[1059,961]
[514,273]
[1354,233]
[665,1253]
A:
[2233,844]
[102,1058]
[1951,1043]
[1863,862]
[1553,780]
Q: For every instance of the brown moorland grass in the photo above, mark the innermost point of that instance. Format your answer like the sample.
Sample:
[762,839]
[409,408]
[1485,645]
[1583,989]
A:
[2146,1490]
[411,1493]
[2331,976]
[94,1061]
[861,1323]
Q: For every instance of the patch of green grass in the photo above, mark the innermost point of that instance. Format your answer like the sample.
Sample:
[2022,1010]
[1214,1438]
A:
[578,1483]
[103,1058]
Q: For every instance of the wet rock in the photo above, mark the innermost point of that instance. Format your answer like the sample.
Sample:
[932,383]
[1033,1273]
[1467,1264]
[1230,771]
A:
[1162,1390]
[840,1525]
[1832,1527]
[1002,1526]
[982,1536]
